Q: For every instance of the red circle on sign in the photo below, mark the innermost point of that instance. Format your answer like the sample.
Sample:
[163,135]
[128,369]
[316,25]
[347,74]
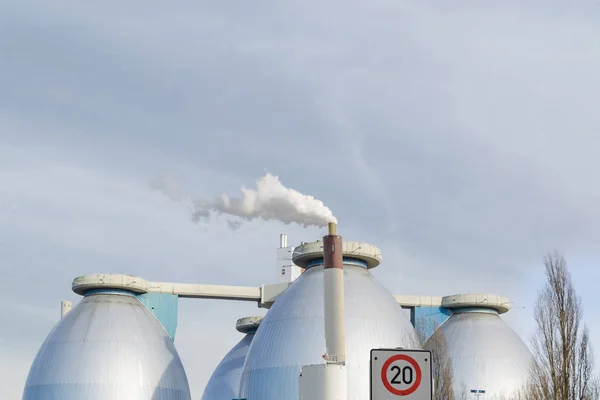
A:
[389,386]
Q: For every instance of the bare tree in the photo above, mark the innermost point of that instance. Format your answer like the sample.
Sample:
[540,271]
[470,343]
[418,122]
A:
[441,363]
[463,392]
[564,363]
[520,394]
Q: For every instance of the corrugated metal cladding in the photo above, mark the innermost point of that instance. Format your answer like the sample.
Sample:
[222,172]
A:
[107,347]
[486,354]
[292,335]
[224,384]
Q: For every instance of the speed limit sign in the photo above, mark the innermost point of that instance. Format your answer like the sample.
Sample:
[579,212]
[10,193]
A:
[401,374]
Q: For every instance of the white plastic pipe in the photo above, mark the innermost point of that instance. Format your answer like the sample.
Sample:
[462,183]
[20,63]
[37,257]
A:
[323,382]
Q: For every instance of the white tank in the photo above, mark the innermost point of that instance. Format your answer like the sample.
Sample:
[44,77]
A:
[107,347]
[292,333]
[224,384]
[486,353]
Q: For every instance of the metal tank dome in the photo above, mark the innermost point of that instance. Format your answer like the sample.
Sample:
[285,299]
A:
[224,384]
[292,333]
[107,347]
[486,353]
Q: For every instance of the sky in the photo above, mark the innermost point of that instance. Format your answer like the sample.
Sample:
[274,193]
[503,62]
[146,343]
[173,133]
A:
[461,139]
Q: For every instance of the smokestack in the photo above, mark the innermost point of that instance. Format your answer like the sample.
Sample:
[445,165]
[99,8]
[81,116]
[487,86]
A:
[335,340]
[65,307]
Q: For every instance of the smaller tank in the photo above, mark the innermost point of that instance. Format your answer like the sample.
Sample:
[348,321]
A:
[224,384]
[486,353]
[107,347]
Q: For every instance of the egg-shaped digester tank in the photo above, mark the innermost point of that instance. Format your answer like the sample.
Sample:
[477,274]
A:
[224,384]
[107,347]
[292,333]
[486,354]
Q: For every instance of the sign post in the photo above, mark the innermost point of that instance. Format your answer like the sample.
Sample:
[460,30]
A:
[399,374]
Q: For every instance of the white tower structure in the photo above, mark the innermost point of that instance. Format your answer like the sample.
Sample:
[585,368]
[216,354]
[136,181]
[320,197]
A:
[286,270]
[65,307]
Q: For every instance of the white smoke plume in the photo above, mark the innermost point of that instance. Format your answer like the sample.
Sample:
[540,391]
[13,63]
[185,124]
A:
[271,200]
[234,225]
[167,185]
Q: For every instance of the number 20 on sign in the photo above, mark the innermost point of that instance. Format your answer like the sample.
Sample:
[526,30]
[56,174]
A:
[401,374]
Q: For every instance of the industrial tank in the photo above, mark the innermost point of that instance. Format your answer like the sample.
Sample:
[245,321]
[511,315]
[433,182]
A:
[486,353]
[292,333]
[224,384]
[107,347]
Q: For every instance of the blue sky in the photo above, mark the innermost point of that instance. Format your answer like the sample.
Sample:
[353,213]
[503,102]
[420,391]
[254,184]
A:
[462,140]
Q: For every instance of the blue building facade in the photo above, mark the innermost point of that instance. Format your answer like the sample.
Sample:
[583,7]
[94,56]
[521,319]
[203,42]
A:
[164,307]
